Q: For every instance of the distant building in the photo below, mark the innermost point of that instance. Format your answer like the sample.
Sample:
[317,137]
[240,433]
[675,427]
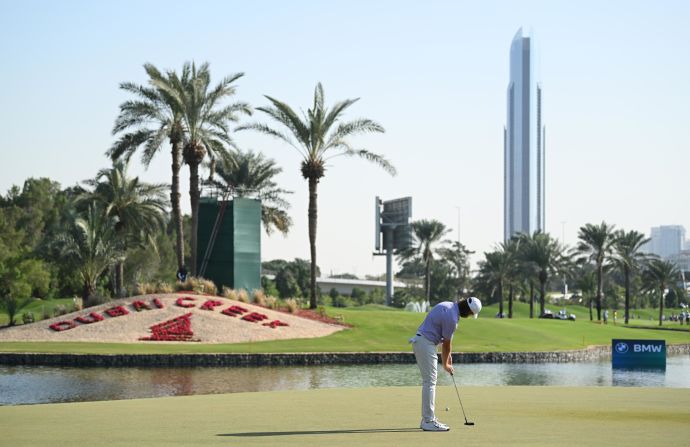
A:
[523,143]
[681,260]
[666,240]
[344,286]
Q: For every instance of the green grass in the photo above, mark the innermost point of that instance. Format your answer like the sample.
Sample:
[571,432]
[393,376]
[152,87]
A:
[382,330]
[37,307]
[512,416]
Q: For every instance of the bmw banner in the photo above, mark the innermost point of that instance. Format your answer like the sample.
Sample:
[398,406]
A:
[638,353]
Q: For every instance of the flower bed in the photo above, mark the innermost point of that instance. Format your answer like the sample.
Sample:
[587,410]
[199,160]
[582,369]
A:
[177,329]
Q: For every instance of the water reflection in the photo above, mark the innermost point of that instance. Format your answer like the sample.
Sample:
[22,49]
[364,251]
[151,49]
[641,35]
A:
[19,385]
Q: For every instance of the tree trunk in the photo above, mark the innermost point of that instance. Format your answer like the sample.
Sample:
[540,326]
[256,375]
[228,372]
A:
[175,202]
[119,278]
[510,301]
[542,298]
[194,200]
[627,294]
[87,293]
[600,279]
[500,299]
[313,183]
[531,299]
[428,280]
[661,307]
[591,302]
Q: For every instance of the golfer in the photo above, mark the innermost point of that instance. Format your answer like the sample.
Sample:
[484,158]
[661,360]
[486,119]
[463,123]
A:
[438,327]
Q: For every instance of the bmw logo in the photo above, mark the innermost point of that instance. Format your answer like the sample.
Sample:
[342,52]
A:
[621,348]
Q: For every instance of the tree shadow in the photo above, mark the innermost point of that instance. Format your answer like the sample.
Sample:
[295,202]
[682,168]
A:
[318,432]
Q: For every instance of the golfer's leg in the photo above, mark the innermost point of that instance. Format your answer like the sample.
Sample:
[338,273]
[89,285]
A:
[427,360]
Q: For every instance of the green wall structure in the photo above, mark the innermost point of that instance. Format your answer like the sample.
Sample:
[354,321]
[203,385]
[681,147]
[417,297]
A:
[235,258]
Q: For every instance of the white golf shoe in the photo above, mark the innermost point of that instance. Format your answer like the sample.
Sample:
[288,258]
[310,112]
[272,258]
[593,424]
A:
[434,425]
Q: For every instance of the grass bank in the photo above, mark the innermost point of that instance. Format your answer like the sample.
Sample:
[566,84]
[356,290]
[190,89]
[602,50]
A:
[515,416]
[380,329]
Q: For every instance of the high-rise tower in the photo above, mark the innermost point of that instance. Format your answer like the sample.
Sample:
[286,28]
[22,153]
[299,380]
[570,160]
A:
[523,143]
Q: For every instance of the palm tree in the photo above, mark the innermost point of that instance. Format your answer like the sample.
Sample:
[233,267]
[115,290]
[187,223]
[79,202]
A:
[628,258]
[596,243]
[317,139]
[457,257]
[547,257]
[524,268]
[92,244]
[139,208]
[494,270]
[661,276]
[428,239]
[251,174]
[205,122]
[146,123]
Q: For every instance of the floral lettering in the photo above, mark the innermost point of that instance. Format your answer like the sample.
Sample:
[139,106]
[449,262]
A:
[181,301]
[93,317]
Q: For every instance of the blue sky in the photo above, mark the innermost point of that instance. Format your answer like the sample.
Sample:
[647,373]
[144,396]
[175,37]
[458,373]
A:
[434,74]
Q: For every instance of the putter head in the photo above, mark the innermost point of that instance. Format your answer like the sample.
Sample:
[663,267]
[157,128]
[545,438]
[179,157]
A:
[469,423]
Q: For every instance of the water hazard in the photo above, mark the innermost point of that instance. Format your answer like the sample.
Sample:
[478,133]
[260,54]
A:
[29,385]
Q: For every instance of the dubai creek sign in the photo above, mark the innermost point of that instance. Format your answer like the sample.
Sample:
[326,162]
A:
[638,353]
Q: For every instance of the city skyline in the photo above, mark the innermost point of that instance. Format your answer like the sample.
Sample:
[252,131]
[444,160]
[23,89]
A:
[433,75]
[523,143]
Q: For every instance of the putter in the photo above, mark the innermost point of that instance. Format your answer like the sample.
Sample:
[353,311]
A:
[460,400]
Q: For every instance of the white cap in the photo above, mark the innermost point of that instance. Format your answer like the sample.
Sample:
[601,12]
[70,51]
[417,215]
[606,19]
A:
[475,305]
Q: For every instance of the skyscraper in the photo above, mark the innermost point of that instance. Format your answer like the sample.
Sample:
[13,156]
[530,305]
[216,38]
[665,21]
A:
[666,240]
[523,143]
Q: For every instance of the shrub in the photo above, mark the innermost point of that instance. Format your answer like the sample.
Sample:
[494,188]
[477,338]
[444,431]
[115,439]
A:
[97,299]
[229,293]
[358,295]
[271,302]
[28,317]
[292,305]
[164,287]
[343,301]
[207,286]
[184,285]
[259,297]
[144,288]
[198,285]
[60,309]
[45,312]
[242,296]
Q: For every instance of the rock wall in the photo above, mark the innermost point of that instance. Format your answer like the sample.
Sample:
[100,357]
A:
[301,359]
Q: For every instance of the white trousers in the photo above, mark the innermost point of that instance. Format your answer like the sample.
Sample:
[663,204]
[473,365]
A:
[427,361]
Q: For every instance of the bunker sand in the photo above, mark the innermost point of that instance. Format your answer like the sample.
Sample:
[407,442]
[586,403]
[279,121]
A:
[511,416]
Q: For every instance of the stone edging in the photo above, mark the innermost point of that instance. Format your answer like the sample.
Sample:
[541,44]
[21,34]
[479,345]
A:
[592,353]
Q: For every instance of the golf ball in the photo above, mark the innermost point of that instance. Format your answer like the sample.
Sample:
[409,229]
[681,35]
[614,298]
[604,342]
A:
[447,408]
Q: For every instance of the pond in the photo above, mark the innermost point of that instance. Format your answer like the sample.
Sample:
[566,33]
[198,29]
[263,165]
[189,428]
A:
[30,385]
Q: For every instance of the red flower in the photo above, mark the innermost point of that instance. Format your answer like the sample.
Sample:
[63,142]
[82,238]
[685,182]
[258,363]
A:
[177,329]
[210,304]
[116,311]
[254,317]
[234,311]
[139,305]
[63,326]
[275,323]
[157,302]
[93,317]
[181,301]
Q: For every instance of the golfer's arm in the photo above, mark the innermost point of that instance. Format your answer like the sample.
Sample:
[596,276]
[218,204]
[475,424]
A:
[446,349]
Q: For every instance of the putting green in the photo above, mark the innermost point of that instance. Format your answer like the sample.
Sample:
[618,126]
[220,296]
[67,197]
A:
[528,416]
